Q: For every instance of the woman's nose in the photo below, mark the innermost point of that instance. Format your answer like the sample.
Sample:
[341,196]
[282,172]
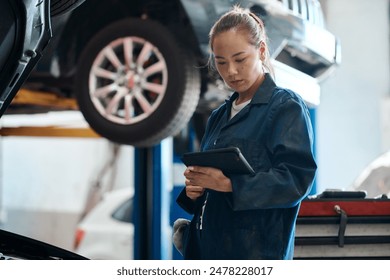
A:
[232,70]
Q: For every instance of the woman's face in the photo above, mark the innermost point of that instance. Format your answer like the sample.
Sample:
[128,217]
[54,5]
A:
[237,61]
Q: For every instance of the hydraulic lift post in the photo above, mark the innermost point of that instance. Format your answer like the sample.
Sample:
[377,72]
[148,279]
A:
[153,182]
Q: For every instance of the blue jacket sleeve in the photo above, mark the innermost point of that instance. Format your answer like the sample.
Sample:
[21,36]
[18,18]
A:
[293,168]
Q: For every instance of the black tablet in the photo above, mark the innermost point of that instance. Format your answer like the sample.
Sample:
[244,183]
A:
[229,160]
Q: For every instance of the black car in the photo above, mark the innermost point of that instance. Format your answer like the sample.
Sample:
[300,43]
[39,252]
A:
[138,68]
[18,247]
[25,31]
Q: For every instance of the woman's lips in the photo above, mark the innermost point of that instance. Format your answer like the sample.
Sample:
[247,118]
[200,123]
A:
[235,82]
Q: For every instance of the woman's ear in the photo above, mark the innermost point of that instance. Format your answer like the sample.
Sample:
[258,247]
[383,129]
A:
[262,51]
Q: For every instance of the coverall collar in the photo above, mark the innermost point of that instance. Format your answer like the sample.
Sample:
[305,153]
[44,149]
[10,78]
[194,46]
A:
[263,93]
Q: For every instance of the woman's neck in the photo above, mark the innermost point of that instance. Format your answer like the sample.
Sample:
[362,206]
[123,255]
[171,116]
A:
[247,95]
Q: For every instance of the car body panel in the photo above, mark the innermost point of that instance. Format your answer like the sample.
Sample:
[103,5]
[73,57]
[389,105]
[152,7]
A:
[14,246]
[104,236]
[30,31]
[375,177]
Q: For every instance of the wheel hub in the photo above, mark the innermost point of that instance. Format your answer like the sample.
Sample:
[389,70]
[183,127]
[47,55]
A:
[128,80]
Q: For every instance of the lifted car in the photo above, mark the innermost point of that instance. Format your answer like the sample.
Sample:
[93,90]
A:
[138,68]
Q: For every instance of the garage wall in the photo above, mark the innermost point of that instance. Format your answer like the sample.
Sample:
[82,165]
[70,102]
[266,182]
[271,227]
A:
[45,182]
[352,113]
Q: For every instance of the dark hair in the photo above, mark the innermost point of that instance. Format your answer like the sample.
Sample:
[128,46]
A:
[241,19]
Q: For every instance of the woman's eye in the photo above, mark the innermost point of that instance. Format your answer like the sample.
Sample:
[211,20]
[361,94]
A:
[221,62]
[240,60]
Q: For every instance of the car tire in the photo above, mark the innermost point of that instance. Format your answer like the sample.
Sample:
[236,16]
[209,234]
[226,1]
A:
[130,102]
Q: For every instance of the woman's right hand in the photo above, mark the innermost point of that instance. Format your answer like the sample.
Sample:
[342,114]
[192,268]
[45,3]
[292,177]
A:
[193,192]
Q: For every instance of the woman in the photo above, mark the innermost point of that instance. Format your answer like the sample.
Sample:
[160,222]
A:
[245,216]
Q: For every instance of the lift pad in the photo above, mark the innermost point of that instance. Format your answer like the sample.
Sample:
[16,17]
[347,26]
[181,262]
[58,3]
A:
[47,99]
[50,101]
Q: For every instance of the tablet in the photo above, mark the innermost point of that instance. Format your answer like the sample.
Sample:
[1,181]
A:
[229,160]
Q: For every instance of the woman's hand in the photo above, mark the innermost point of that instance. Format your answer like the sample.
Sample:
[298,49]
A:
[198,177]
[193,192]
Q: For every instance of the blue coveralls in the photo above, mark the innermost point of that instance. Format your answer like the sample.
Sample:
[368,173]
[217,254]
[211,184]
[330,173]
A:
[257,220]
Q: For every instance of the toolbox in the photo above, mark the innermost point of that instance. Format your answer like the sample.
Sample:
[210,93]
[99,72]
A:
[343,225]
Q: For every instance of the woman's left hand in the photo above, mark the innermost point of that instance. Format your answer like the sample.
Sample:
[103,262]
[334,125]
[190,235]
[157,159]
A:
[208,177]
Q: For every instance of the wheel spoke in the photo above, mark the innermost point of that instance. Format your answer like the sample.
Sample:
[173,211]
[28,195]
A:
[155,68]
[143,102]
[102,92]
[103,73]
[113,105]
[144,55]
[129,109]
[128,51]
[112,57]
[156,88]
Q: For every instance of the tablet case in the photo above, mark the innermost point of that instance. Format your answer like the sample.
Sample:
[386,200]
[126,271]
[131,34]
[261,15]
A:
[229,160]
